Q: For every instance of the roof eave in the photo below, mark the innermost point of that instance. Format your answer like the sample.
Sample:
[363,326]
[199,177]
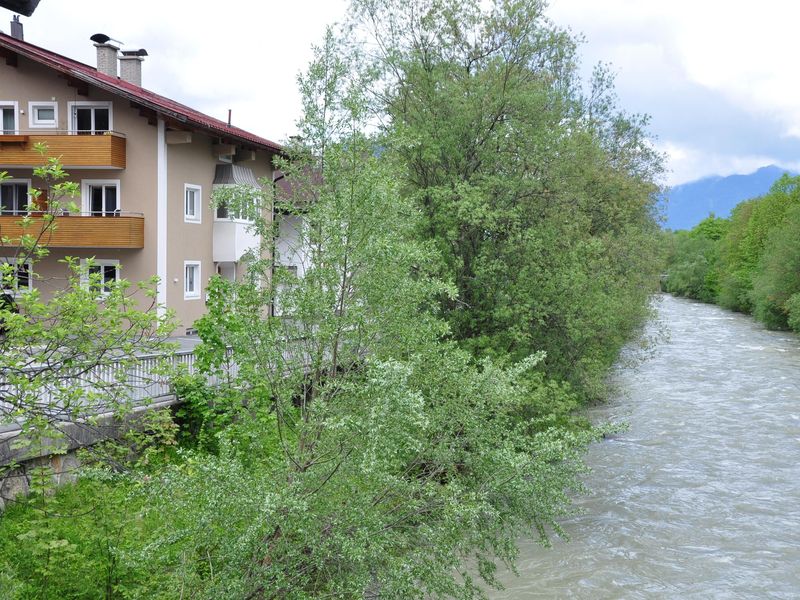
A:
[113,89]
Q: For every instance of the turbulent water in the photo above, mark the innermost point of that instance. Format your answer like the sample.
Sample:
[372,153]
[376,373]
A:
[700,498]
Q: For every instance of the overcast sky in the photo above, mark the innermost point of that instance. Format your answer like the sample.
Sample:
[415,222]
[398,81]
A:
[719,78]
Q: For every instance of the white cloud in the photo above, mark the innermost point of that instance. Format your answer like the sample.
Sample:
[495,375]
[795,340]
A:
[210,55]
[743,53]
[689,163]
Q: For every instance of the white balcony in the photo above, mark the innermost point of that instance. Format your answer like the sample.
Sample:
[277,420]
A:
[232,239]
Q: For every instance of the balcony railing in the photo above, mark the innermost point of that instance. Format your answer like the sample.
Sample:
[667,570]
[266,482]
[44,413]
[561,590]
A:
[100,150]
[85,230]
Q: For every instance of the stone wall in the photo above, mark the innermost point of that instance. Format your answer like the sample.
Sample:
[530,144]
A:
[61,458]
[17,481]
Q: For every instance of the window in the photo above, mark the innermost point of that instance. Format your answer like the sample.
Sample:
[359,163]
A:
[15,276]
[14,197]
[191,280]
[192,203]
[8,118]
[244,198]
[101,197]
[100,274]
[91,117]
[43,114]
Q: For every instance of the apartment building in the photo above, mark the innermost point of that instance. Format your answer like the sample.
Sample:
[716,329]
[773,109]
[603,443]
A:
[146,166]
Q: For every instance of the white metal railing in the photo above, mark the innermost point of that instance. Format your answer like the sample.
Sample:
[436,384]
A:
[135,380]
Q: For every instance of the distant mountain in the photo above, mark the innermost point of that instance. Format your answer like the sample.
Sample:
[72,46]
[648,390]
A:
[690,203]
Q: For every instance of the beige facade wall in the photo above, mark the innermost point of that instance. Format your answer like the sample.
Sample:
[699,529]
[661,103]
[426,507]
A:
[30,82]
[194,164]
[187,163]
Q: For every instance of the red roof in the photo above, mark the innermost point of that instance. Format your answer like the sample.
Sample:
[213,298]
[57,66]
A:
[162,105]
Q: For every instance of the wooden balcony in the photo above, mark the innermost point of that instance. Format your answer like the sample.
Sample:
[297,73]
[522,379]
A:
[73,231]
[105,151]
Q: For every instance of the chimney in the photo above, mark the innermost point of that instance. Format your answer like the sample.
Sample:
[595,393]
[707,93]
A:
[16,29]
[130,65]
[106,54]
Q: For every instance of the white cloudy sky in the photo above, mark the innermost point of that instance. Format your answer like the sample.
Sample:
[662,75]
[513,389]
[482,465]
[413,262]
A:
[718,77]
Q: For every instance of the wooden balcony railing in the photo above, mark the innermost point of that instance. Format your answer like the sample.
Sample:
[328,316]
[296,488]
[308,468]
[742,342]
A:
[123,230]
[106,150]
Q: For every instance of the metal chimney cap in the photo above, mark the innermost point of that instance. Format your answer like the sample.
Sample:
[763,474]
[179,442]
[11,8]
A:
[23,7]
[102,38]
[139,52]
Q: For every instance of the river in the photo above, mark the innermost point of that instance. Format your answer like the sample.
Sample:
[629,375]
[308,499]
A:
[700,498]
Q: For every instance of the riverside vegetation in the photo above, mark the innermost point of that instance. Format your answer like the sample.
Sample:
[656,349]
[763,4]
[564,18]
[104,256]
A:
[749,262]
[481,240]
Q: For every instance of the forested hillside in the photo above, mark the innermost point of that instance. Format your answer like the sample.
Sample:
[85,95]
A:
[749,262]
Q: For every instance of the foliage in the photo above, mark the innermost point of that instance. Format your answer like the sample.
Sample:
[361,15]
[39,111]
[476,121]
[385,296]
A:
[52,348]
[537,196]
[777,277]
[793,312]
[67,545]
[749,262]
[391,455]
[68,357]
[416,468]
[743,247]
[694,260]
[474,259]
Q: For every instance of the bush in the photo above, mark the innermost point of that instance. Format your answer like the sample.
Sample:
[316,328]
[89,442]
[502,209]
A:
[793,310]
[68,545]
[743,246]
[693,264]
[778,273]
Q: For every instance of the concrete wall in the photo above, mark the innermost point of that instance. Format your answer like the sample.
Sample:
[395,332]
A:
[289,246]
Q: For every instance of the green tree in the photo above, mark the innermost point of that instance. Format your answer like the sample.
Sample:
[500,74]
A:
[537,196]
[777,277]
[64,360]
[743,246]
[693,260]
[51,350]
[393,457]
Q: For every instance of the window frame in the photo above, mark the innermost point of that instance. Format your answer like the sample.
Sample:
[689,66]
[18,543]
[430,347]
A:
[86,199]
[24,210]
[16,291]
[72,112]
[229,218]
[197,217]
[13,104]
[99,262]
[34,122]
[196,293]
